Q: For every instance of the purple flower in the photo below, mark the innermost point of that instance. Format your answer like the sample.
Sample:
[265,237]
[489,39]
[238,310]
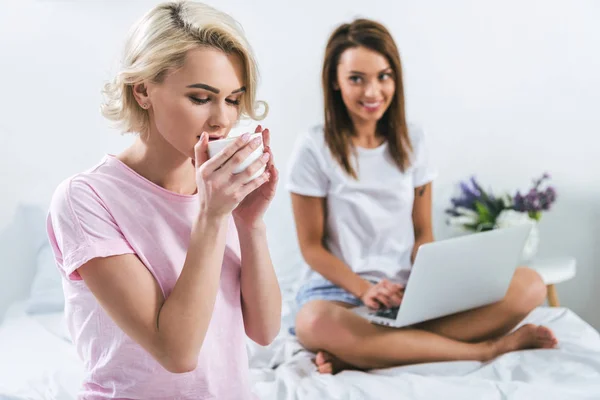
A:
[474,197]
[538,182]
[467,198]
[535,200]
[547,197]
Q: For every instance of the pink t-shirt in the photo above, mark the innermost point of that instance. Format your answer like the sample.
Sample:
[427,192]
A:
[110,210]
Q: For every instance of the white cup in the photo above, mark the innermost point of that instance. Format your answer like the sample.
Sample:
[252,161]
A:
[216,146]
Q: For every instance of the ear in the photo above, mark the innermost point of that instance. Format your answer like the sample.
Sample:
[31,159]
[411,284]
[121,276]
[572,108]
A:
[335,85]
[140,92]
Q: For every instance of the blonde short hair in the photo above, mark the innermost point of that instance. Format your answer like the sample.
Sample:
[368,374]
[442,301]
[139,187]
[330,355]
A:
[159,41]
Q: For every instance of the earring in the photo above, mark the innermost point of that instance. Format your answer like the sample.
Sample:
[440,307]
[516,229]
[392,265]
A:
[145,106]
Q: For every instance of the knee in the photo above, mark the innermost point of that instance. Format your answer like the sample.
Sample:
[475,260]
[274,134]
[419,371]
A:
[317,323]
[529,290]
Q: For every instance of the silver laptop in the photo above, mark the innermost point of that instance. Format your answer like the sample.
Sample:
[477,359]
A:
[455,275]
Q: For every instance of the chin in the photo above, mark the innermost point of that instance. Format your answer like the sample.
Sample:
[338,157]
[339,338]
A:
[370,117]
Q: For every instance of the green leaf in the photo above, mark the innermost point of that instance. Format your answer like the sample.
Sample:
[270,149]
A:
[485,217]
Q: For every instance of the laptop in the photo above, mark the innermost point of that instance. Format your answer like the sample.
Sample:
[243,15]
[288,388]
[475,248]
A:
[454,275]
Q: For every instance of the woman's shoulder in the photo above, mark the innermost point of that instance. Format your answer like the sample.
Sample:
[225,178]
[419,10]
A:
[82,186]
[416,133]
[309,163]
[311,142]
[418,140]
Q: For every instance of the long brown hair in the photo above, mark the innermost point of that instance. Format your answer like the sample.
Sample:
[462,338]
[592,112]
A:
[338,125]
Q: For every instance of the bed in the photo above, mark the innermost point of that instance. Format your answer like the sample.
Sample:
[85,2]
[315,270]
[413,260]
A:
[38,360]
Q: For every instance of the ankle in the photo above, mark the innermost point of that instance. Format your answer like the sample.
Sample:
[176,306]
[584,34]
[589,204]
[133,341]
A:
[490,350]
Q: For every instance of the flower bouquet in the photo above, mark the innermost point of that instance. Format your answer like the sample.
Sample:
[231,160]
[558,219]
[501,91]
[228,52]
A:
[477,210]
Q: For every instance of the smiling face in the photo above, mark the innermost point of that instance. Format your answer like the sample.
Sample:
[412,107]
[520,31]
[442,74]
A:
[202,96]
[366,82]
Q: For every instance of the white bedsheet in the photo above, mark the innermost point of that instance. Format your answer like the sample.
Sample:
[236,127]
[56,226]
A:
[571,372]
[37,362]
[36,359]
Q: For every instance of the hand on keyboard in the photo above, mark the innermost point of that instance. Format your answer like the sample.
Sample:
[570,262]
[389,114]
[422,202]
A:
[383,294]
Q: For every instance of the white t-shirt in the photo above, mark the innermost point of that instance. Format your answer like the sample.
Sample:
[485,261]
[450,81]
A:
[369,221]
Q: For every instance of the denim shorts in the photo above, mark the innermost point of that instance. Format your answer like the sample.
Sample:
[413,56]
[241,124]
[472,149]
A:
[322,289]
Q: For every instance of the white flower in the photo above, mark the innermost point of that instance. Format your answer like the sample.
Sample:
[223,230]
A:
[508,218]
[462,220]
[507,201]
[467,212]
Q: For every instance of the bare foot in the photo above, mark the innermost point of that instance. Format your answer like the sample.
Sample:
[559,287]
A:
[329,364]
[528,336]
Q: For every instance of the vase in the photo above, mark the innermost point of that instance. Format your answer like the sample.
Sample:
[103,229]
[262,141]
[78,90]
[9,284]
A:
[531,245]
[508,218]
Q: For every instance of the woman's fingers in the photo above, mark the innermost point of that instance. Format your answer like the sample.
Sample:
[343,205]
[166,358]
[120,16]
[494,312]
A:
[394,287]
[372,304]
[393,296]
[266,137]
[201,151]
[244,176]
[396,299]
[384,300]
[255,184]
[383,297]
[227,153]
[240,155]
[393,292]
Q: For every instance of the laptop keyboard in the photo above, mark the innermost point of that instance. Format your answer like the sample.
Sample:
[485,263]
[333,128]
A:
[390,313]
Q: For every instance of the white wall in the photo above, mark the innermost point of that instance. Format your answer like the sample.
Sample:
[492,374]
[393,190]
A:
[506,90]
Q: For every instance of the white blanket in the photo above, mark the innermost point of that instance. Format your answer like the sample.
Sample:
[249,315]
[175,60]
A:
[37,362]
[570,372]
[36,359]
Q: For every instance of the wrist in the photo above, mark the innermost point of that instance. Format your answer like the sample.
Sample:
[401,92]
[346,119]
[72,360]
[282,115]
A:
[363,287]
[255,228]
[207,220]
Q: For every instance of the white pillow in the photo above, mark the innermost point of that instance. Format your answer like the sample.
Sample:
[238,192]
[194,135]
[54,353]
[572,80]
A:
[27,267]
[20,242]
[46,290]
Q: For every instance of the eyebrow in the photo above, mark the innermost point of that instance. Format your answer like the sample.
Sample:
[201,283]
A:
[213,89]
[362,73]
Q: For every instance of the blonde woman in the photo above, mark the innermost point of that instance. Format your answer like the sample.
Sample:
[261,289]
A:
[162,250]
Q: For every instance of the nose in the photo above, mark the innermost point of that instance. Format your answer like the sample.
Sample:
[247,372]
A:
[218,118]
[372,89]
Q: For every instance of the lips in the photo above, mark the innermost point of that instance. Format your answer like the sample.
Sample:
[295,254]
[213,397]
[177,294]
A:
[211,138]
[371,105]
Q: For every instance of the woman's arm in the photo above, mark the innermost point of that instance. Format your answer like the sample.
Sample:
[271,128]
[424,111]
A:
[261,297]
[309,215]
[421,216]
[171,330]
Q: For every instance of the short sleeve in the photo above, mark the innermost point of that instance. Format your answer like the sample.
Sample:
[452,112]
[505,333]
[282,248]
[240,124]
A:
[80,228]
[306,173]
[424,170]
